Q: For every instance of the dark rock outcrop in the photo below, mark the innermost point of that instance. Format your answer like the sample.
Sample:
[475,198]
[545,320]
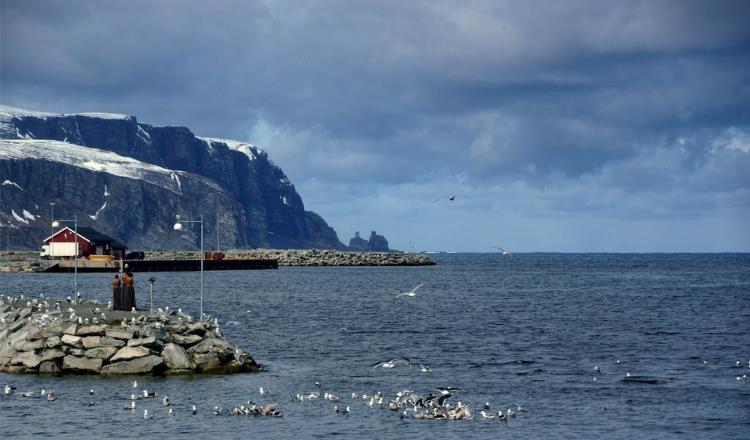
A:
[257,206]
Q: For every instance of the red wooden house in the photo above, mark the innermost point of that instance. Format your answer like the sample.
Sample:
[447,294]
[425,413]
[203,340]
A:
[90,242]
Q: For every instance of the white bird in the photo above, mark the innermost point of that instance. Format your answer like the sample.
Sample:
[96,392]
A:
[146,414]
[502,251]
[412,292]
[486,415]
[425,368]
[171,412]
[195,410]
[135,384]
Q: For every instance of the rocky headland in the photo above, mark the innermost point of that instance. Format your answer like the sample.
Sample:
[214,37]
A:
[41,336]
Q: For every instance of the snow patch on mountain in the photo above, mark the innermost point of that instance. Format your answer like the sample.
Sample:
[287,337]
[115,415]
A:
[89,158]
[18,217]
[249,150]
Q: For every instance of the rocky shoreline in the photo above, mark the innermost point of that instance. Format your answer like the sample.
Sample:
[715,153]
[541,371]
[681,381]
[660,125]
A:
[41,336]
[26,261]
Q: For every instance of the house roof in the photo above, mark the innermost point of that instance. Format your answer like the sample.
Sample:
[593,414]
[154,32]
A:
[91,234]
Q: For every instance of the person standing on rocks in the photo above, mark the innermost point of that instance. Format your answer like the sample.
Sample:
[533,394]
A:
[129,281]
[116,293]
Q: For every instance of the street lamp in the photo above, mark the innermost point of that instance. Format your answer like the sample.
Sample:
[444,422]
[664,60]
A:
[178,227]
[55,224]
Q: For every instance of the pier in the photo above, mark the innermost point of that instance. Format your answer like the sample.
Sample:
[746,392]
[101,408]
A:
[164,265]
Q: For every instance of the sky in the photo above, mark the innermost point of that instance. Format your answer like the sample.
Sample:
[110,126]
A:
[575,126]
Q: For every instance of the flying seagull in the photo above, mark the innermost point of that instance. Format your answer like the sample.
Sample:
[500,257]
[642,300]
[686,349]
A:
[412,292]
[502,251]
[452,197]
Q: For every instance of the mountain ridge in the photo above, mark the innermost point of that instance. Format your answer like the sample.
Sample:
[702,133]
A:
[230,182]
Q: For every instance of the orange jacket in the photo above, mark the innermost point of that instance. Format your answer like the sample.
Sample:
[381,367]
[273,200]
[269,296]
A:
[116,282]
[128,280]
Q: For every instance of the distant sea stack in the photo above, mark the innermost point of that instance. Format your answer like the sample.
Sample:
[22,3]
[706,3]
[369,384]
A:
[377,243]
[128,180]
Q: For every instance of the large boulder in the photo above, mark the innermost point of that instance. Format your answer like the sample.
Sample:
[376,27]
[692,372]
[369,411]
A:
[52,342]
[49,355]
[120,333]
[71,329]
[112,342]
[28,359]
[207,362]
[91,341]
[105,352]
[77,364]
[210,345]
[29,345]
[187,341]
[144,365]
[49,367]
[126,353]
[176,358]
[91,330]
[73,341]
[149,342]
[196,328]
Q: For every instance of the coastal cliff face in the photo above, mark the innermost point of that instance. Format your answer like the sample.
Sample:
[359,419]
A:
[128,180]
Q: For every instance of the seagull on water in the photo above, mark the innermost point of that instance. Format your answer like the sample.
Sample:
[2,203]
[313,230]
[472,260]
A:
[171,412]
[412,292]
[502,251]
[147,415]
[195,410]
[391,363]
[166,401]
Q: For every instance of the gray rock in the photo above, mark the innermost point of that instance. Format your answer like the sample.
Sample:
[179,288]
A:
[49,355]
[187,341]
[81,364]
[196,328]
[52,330]
[143,365]
[126,353]
[71,329]
[91,341]
[101,352]
[6,350]
[49,367]
[24,313]
[119,333]
[107,341]
[176,358]
[206,362]
[213,344]
[52,341]
[73,341]
[91,330]
[29,345]
[73,351]
[14,327]
[28,359]
[150,342]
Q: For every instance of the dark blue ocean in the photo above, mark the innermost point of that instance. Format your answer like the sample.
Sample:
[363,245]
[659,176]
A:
[522,328]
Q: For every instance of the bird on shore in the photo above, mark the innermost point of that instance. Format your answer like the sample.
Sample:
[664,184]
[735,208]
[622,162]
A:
[412,292]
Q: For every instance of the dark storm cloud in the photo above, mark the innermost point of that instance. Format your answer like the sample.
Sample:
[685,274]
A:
[396,92]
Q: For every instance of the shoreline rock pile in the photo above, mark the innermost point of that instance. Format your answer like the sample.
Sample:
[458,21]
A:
[312,257]
[48,337]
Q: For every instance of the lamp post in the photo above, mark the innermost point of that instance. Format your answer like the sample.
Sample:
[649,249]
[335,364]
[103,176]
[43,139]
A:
[56,223]
[178,227]
[52,216]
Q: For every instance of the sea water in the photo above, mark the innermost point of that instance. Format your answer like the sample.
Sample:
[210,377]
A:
[521,328]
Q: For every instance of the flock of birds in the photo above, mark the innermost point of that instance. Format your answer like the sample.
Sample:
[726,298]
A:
[407,403]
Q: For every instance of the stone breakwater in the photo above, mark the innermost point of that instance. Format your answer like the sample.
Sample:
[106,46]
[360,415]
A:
[312,257]
[50,337]
[23,261]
